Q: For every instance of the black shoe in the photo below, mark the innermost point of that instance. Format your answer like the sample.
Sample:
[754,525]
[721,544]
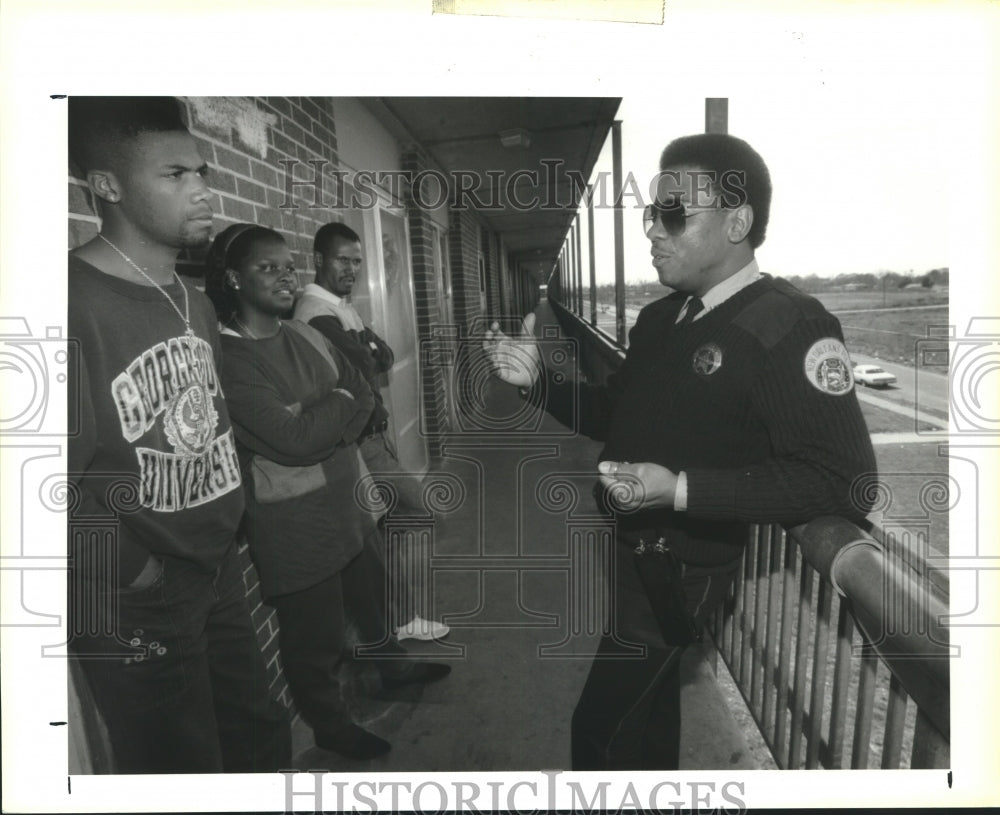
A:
[415,673]
[353,742]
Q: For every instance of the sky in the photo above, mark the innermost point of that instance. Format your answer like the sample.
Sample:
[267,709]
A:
[858,178]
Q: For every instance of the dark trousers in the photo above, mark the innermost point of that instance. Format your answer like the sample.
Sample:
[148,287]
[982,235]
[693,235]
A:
[178,675]
[628,716]
[407,500]
[312,629]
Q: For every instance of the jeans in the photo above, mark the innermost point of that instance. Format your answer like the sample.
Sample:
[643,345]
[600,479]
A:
[628,716]
[381,460]
[311,635]
[178,676]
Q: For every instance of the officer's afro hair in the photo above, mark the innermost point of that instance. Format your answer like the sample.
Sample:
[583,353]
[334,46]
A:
[720,153]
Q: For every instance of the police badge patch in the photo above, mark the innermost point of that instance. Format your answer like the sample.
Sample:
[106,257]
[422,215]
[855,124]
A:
[828,367]
[707,359]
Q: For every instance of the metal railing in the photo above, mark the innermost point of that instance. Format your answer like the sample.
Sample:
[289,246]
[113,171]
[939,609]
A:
[835,639]
[839,649]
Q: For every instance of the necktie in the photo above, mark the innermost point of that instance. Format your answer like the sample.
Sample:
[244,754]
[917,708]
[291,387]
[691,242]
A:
[694,308]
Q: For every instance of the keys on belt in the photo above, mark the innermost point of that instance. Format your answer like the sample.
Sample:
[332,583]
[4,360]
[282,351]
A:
[659,545]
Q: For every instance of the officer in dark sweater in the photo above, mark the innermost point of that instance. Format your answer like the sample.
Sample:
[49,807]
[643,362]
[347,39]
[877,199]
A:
[735,404]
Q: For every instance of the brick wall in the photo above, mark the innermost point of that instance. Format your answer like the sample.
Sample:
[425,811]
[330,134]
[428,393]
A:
[488,246]
[245,142]
[266,155]
[426,297]
[464,241]
[463,247]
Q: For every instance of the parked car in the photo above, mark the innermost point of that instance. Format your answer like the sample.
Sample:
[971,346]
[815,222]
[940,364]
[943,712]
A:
[871,376]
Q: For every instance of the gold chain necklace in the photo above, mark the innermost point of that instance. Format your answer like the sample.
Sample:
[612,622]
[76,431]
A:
[186,315]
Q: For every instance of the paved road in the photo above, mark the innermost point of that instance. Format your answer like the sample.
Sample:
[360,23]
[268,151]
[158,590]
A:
[933,396]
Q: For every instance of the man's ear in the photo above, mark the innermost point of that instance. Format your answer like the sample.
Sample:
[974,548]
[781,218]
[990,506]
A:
[317,261]
[104,185]
[740,221]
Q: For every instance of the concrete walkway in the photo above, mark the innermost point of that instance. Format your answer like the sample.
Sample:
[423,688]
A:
[519,648]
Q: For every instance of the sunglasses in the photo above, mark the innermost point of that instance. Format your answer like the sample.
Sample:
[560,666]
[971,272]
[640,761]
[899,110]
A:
[672,215]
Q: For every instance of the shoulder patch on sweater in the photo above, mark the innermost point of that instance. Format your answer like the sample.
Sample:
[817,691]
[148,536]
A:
[827,366]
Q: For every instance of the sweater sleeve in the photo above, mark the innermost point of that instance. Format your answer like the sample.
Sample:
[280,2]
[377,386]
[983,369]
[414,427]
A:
[380,350]
[352,380]
[581,406]
[585,407]
[266,424]
[819,445]
[359,354]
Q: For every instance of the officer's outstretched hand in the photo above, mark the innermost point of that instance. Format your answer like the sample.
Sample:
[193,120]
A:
[638,486]
[515,360]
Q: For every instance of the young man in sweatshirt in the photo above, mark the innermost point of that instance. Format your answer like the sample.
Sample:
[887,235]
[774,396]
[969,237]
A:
[157,615]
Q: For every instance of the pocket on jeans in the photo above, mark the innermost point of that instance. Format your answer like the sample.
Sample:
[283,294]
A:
[156,583]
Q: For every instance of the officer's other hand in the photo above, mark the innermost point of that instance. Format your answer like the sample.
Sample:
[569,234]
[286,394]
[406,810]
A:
[638,486]
[515,360]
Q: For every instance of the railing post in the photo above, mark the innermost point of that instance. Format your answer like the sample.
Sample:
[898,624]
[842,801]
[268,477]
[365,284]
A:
[841,682]
[579,263]
[801,664]
[820,647]
[864,715]
[616,151]
[785,660]
[771,641]
[592,259]
[717,115]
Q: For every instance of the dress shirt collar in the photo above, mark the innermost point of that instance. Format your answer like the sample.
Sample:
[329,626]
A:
[722,291]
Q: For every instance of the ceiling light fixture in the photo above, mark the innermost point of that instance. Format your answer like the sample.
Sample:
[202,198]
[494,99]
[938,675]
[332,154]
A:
[517,138]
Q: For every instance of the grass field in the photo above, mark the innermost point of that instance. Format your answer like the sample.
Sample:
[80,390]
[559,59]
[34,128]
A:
[893,298]
[833,300]
[893,336]
[889,332]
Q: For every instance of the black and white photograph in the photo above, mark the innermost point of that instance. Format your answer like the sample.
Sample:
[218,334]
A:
[528,414]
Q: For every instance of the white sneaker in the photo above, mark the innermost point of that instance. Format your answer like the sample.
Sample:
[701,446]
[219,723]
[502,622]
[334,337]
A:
[420,629]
